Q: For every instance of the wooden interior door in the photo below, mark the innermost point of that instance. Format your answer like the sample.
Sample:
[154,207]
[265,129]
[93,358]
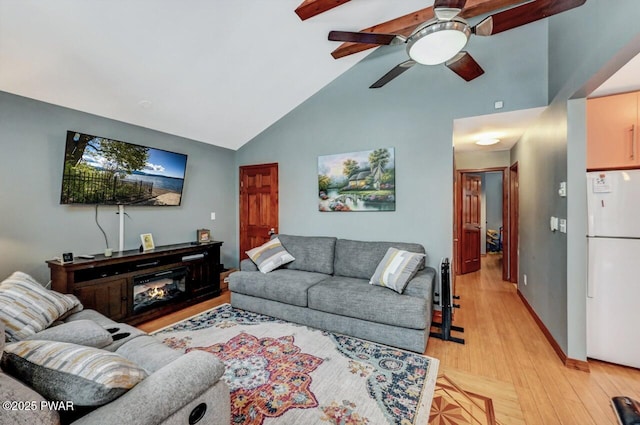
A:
[258,205]
[471,222]
[514,215]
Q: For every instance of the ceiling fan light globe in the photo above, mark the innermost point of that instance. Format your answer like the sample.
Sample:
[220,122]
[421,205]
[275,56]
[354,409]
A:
[437,43]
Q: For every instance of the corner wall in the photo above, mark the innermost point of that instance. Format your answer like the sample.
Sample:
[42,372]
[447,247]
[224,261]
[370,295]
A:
[542,164]
[581,57]
[414,114]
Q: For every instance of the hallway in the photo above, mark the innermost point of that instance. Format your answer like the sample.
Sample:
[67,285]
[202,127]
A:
[506,346]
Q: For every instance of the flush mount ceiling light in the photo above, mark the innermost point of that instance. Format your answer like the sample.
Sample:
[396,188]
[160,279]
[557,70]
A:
[488,141]
[436,42]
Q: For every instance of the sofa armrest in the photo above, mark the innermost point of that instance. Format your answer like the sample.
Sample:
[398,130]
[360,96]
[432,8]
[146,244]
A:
[422,284]
[247,265]
[161,394]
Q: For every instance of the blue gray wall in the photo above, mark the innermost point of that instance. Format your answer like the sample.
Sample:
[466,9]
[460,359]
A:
[34,226]
[480,159]
[542,164]
[414,114]
[585,50]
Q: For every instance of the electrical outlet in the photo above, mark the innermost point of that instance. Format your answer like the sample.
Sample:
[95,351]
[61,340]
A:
[213,216]
[525,280]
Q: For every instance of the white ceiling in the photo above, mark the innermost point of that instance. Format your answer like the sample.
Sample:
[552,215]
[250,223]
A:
[216,71]
[509,126]
[625,80]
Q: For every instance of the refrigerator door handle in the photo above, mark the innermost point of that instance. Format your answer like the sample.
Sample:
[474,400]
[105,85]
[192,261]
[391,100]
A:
[591,273]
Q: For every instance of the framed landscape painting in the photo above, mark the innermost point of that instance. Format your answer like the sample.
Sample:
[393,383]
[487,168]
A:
[357,181]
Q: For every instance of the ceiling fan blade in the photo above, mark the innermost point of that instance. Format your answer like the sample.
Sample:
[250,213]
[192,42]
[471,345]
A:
[399,69]
[366,37]
[446,10]
[311,8]
[524,14]
[465,66]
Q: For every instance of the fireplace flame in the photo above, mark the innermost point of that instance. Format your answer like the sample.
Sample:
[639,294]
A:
[157,293]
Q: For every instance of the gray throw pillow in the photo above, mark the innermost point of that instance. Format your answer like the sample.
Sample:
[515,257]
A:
[26,307]
[270,256]
[62,371]
[396,269]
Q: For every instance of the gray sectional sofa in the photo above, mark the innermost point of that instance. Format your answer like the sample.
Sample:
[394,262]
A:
[179,388]
[327,287]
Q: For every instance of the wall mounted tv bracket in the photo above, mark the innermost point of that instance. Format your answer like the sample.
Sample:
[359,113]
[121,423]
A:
[447,307]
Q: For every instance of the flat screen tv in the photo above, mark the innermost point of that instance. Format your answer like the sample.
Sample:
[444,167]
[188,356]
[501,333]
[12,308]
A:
[104,171]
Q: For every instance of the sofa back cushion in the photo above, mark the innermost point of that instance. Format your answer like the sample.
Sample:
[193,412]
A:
[361,258]
[311,253]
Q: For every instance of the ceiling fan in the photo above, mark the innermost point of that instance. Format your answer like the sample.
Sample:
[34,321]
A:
[443,38]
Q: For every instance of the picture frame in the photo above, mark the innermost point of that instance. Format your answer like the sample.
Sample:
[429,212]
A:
[147,241]
[357,181]
[203,235]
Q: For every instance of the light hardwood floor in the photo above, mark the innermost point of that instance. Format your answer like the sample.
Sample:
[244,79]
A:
[506,352]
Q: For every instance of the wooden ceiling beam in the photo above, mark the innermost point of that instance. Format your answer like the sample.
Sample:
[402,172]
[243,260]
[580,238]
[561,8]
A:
[404,25]
[311,8]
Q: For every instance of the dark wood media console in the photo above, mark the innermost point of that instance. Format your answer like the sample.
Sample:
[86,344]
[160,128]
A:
[125,287]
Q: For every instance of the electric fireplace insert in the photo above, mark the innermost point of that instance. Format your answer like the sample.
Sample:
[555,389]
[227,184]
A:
[156,289]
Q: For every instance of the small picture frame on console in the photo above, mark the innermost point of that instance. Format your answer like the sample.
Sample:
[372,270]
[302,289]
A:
[203,235]
[147,241]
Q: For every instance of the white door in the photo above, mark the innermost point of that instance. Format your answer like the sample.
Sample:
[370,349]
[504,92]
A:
[613,203]
[613,301]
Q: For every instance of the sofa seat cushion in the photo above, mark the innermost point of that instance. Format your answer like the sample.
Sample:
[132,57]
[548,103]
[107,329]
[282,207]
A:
[148,353]
[312,253]
[353,297]
[16,392]
[286,286]
[361,258]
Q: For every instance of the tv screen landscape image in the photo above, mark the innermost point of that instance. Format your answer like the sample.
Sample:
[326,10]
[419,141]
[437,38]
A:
[104,171]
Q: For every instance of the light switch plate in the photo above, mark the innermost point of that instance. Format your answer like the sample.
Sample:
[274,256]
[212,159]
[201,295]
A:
[563,189]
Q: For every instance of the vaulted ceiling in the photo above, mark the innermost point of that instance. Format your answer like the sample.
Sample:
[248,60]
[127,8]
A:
[215,71]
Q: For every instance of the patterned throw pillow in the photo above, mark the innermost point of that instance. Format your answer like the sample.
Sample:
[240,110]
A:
[270,256]
[396,269]
[68,372]
[26,307]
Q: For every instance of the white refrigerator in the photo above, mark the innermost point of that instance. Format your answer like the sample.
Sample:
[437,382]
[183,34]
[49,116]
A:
[613,287]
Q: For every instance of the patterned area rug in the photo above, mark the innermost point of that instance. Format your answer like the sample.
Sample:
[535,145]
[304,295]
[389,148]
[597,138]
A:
[282,373]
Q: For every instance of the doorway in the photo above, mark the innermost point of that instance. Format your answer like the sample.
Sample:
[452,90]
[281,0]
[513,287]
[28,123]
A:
[258,205]
[481,214]
[512,224]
